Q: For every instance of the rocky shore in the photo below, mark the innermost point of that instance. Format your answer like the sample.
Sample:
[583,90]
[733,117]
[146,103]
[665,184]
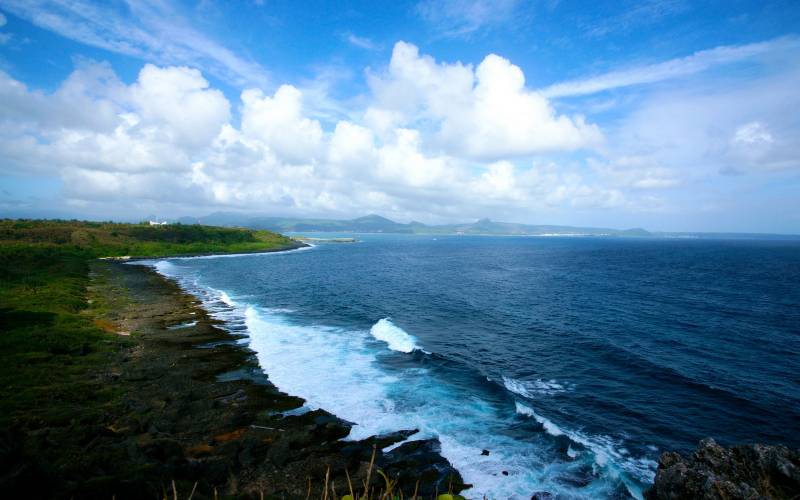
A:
[198,415]
[742,472]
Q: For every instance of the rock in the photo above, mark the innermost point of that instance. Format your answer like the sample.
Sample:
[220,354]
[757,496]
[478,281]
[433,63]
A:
[163,450]
[713,472]
[421,461]
[505,472]
[362,450]
[381,441]
[485,453]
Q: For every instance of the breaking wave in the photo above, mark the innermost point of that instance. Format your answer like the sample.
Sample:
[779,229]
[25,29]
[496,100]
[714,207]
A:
[397,338]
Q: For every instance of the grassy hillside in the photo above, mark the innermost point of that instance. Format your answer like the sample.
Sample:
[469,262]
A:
[105,239]
[49,339]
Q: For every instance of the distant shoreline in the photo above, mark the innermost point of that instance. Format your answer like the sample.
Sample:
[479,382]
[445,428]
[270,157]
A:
[135,258]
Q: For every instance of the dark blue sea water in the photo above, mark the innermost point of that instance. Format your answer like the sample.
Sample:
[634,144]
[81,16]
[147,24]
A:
[574,361]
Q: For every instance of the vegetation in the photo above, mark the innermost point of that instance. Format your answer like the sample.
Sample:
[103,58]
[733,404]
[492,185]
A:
[106,239]
[48,343]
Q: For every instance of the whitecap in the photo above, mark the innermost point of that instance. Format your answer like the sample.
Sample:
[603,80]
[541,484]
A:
[397,338]
[532,388]
[548,425]
[224,297]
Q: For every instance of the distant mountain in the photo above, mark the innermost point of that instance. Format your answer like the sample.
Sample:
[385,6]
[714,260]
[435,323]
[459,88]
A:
[377,224]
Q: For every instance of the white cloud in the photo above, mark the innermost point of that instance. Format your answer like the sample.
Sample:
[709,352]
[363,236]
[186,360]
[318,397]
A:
[280,123]
[753,133]
[361,42]
[674,68]
[455,18]
[481,113]
[180,99]
[148,29]
[635,15]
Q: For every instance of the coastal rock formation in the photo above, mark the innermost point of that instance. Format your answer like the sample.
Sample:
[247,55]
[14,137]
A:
[713,472]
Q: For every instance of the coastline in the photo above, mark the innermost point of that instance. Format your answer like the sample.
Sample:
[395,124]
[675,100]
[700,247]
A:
[198,410]
[296,245]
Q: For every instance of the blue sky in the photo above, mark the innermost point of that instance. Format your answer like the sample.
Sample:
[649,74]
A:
[669,115]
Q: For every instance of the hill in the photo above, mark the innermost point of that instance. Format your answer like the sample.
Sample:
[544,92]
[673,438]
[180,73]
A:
[377,224]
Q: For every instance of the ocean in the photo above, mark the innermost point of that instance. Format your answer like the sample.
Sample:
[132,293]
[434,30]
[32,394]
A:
[573,361]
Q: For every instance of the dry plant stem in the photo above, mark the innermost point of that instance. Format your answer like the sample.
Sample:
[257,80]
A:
[325,491]
[369,471]
[349,484]
[194,488]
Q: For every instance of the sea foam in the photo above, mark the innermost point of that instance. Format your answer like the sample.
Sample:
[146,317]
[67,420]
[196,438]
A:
[608,453]
[532,388]
[397,338]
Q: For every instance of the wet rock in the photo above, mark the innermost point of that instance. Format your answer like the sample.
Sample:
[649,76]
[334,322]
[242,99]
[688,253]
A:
[485,453]
[362,450]
[714,472]
[384,440]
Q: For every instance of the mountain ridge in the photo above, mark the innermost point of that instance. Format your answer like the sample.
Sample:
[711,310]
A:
[374,223]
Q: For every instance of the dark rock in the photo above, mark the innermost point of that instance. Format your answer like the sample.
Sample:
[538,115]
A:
[485,453]
[383,440]
[421,461]
[505,472]
[362,450]
[713,472]
[164,450]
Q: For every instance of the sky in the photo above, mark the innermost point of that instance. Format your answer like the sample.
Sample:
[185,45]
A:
[671,115]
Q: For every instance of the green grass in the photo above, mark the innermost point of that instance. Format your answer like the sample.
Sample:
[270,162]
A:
[51,345]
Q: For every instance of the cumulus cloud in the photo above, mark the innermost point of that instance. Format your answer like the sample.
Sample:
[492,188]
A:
[483,113]
[279,122]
